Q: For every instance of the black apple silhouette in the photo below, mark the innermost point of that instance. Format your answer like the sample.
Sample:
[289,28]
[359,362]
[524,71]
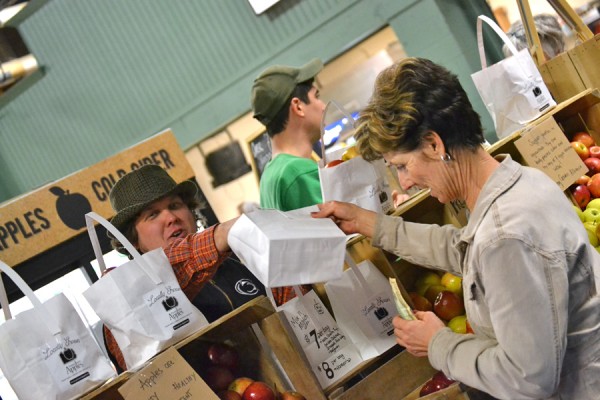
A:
[71,208]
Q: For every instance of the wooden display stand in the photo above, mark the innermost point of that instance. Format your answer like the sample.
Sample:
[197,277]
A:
[395,371]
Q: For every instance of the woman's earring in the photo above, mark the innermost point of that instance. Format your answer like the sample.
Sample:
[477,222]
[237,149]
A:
[446,158]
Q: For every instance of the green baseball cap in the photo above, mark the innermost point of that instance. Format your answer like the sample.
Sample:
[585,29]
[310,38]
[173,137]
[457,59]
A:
[275,85]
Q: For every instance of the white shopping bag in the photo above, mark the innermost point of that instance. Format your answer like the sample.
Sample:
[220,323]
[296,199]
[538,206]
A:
[328,349]
[358,182]
[47,352]
[355,180]
[288,248]
[363,306]
[141,301]
[512,90]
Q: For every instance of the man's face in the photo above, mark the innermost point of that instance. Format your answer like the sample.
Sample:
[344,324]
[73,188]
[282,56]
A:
[163,222]
[314,112]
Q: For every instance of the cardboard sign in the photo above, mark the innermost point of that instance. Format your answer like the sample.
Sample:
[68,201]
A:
[167,377]
[54,213]
[544,146]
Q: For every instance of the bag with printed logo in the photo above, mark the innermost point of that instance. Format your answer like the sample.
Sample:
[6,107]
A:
[47,352]
[140,302]
[328,349]
[512,90]
[363,305]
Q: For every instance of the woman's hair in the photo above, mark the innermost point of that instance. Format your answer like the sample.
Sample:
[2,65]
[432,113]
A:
[412,98]
[130,232]
[280,120]
[551,35]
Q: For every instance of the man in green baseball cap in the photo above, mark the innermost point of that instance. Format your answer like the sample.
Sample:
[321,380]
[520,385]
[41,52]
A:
[286,100]
[152,211]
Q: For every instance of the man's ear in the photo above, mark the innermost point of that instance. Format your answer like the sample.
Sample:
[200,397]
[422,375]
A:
[297,107]
[433,146]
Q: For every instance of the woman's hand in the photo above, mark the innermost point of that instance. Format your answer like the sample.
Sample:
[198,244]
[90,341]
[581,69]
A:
[349,217]
[415,336]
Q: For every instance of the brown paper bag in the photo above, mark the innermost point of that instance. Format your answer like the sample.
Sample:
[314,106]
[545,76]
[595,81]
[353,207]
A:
[573,71]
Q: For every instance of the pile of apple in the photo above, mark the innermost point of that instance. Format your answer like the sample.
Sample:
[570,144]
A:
[586,187]
[443,295]
[347,155]
[220,376]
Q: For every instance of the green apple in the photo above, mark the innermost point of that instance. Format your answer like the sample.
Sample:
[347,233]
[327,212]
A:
[458,324]
[592,215]
[579,212]
[452,282]
[427,279]
[594,203]
[590,227]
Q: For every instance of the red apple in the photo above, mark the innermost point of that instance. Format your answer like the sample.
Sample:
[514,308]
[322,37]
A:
[291,395]
[229,395]
[594,151]
[258,391]
[218,378]
[333,163]
[420,302]
[582,195]
[428,388]
[442,380]
[448,305]
[239,385]
[223,355]
[584,138]
[594,185]
[582,180]
[469,329]
[432,292]
[593,165]
[582,151]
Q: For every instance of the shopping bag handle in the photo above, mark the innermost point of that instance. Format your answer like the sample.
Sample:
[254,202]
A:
[346,114]
[480,20]
[89,222]
[565,11]
[24,287]
[359,276]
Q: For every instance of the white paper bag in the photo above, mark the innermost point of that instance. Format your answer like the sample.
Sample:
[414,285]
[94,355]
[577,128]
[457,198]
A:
[47,352]
[329,351]
[363,305]
[512,90]
[141,301]
[358,182]
[288,248]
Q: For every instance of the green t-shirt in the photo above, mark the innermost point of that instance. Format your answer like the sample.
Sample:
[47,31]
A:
[289,182]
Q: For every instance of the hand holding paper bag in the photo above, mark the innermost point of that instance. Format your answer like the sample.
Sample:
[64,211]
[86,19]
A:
[289,248]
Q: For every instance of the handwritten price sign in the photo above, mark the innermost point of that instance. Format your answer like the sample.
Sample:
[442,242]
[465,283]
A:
[329,351]
[167,377]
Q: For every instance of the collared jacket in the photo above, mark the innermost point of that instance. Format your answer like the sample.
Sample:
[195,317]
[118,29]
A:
[530,281]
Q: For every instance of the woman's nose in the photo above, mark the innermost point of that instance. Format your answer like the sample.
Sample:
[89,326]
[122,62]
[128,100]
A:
[405,182]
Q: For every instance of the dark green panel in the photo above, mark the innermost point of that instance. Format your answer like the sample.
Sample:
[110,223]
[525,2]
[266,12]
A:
[116,72]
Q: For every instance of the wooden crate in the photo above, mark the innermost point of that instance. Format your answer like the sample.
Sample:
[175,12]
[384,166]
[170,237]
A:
[288,369]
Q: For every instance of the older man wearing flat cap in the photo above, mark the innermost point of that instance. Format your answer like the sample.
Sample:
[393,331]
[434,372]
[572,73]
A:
[153,211]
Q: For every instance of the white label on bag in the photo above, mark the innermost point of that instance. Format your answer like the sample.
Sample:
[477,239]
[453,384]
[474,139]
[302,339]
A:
[379,311]
[65,360]
[164,303]
[329,352]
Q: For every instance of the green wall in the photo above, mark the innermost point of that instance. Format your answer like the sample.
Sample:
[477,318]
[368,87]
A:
[115,72]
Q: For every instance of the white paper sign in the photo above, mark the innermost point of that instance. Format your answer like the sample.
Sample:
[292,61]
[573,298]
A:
[329,351]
